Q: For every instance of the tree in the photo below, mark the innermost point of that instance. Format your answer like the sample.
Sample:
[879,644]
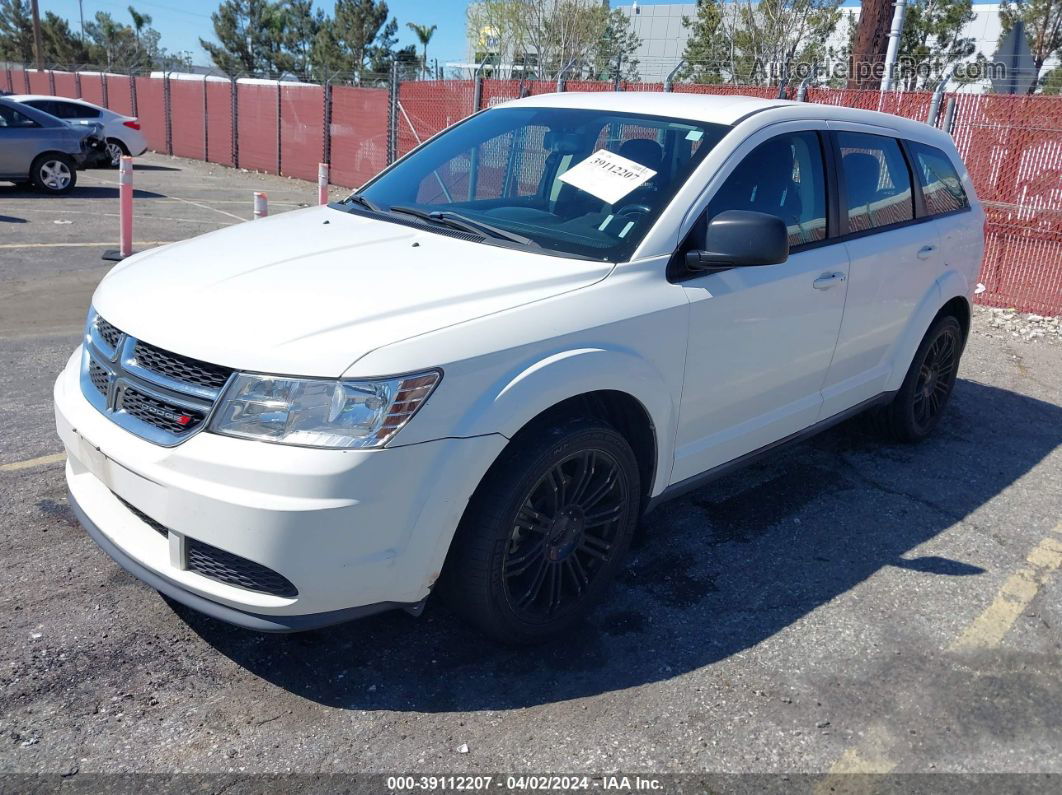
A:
[1043,27]
[61,46]
[356,27]
[139,22]
[618,44]
[706,48]
[423,34]
[250,37]
[550,37]
[761,43]
[932,41]
[16,31]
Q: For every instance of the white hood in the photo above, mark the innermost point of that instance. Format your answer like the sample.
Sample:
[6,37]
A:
[309,292]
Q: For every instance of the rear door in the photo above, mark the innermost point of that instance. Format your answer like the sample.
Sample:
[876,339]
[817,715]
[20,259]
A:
[895,260]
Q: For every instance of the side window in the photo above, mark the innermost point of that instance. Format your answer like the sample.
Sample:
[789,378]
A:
[877,183]
[72,110]
[11,118]
[46,105]
[940,183]
[783,177]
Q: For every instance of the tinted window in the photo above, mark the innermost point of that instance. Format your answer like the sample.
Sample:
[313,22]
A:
[940,183]
[877,183]
[46,105]
[782,177]
[72,110]
[9,117]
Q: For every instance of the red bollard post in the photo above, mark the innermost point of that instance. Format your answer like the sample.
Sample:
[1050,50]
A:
[261,205]
[125,212]
[322,183]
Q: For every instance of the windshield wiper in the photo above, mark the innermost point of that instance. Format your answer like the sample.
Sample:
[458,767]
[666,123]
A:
[464,224]
[368,204]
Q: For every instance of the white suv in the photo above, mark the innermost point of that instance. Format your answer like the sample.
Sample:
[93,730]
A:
[476,373]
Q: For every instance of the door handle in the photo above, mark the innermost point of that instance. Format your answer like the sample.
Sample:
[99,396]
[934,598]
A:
[925,251]
[828,280]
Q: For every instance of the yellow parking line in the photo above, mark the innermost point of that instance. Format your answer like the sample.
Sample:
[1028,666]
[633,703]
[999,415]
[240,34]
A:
[988,629]
[44,460]
[854,772]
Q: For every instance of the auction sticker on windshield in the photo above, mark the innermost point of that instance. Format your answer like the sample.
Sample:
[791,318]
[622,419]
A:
[607,176]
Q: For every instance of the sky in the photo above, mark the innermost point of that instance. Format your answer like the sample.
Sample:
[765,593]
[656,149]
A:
[183,22]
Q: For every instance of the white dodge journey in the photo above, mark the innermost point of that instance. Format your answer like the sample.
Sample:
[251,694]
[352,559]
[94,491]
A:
[477,372]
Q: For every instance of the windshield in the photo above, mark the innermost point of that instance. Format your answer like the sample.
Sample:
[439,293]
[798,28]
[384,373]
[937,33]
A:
[588,183]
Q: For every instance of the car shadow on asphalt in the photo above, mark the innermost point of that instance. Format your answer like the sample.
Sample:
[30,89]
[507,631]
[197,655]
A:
[79,192]
[714,573]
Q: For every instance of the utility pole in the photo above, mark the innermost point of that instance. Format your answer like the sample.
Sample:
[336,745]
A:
[894,45]
[38,48]
[871,43]
[81,13]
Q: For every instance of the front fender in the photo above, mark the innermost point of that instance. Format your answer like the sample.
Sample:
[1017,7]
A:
[532,387]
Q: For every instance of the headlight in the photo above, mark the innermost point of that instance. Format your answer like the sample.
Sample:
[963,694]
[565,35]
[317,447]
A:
[318,413]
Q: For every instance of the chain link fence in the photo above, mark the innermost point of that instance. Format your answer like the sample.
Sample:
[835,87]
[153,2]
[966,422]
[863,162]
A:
[1012,145]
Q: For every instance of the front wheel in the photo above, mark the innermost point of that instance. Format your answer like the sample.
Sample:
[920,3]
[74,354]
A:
[546,531]
[54,173]
[919,404]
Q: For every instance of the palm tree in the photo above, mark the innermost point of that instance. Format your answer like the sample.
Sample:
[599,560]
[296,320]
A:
[424,34]
[139,21]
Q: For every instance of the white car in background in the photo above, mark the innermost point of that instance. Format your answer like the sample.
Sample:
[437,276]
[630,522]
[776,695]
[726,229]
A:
[121,132]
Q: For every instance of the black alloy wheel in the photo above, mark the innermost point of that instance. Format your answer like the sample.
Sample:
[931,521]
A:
[545,532]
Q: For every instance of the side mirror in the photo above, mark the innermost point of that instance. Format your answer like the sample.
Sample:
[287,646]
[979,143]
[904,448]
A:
[741,238]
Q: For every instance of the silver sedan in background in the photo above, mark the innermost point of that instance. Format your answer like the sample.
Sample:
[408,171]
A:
[38,148]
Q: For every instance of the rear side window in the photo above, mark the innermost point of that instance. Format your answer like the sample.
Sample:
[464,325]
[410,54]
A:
[941,186]
[876,180]
[782,177]
[72,110]
[9,117]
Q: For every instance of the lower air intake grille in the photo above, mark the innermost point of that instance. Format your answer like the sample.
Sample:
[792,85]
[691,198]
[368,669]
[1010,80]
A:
[158,527]
[233,570]
[163,415]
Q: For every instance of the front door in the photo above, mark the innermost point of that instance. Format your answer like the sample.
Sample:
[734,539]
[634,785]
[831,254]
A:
[761,338]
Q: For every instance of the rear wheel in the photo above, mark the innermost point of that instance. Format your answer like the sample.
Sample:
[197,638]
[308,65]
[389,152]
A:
[917,408]
[115,150]
[545,532]
[54,173]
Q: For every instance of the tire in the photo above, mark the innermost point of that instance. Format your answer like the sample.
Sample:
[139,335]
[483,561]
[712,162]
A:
[116,149]
[54,173]
[918,406]
[526,562]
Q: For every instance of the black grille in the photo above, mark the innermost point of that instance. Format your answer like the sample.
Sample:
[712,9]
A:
[217,564]
[158,527]
[107,332]
[158,413]
[181,368]
[98,376]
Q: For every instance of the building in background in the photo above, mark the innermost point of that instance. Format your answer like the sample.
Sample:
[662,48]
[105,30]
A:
[663,36]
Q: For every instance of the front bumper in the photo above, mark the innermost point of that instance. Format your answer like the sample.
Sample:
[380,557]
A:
[354,531]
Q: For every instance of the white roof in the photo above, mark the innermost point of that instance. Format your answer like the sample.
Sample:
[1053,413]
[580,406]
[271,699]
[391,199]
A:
[725,109]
